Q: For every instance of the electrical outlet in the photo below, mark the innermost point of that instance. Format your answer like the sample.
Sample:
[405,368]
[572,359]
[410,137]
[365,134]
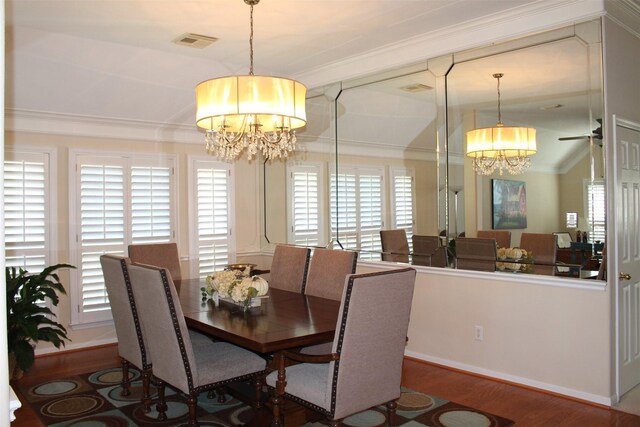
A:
[479,333]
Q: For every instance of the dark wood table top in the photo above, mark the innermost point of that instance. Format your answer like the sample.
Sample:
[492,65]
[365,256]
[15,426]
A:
[285,320]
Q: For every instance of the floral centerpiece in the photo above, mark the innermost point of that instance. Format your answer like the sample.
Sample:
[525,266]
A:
[236,285]
[514,259]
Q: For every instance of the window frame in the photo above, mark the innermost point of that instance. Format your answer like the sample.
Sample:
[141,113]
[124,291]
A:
[318,168]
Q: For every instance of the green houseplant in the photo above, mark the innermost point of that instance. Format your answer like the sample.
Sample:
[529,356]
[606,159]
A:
[28,320]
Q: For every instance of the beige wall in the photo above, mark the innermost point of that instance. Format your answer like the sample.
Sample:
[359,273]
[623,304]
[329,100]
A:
[247,229]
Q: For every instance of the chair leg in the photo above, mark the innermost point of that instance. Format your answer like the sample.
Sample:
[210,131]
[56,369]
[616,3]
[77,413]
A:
[211,394]
[161,406]
[276,400]
[335,423]
[192,402]
[125,383]
[146,390]
[391,413]
[258,388]
[222,394]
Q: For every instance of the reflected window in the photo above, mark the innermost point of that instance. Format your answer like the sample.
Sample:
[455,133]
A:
[304,204]
[402,207]
[596,210]
[357,218]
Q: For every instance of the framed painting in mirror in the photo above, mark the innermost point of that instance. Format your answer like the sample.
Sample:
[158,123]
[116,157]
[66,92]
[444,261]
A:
[509,201]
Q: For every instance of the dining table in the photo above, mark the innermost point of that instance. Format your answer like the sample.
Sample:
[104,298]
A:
[284,320]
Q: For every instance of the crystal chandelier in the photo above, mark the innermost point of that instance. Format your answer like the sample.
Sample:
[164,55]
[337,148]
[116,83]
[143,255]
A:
[256,113]
[501,147]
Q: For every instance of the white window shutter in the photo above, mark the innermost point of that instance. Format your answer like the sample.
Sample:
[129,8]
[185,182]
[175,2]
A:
[403,201]
[212,201]
[305,195]
[150,204]
[596,211]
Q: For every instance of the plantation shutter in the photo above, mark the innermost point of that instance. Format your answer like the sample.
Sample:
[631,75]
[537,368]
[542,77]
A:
[402,207]
[596,211]
[151,204]
[305,195]
[102,226]
[212,200]
[357,218]
[26,205]
[119,200]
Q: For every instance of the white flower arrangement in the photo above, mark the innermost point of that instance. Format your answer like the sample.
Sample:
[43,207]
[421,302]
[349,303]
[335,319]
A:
[235,284]
[514,259]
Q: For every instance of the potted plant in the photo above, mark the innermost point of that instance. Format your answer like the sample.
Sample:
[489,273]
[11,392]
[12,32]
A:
[28,319]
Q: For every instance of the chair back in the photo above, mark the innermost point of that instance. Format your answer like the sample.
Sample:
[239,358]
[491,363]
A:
[502,237]
[602,270]
[476,254]
[370,338]
[327,272]
[131,343]
[428,251]
[544,248]
[395,246]
[163,255]
[165,329]
[289,268]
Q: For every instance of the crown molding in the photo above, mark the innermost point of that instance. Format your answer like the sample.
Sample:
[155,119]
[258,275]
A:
[625,13]
[534,17]
[18,120]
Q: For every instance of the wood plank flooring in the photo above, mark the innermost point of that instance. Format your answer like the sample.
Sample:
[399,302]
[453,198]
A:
[525,407]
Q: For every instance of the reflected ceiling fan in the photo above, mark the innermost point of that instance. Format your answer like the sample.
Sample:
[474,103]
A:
[596,134]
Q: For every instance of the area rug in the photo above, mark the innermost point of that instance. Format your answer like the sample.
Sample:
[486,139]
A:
[94,400]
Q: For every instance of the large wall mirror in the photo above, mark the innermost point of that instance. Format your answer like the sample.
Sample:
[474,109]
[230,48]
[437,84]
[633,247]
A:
[387,152]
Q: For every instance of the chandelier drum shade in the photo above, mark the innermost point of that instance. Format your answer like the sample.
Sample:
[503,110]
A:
[501,147]
[256,113]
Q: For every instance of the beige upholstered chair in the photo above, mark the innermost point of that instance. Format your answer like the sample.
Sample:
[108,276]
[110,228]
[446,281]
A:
[159,254]
[190,368]
[131,344]
[326,279]
[476,254]
[428,251]
[289,268]
[365,366]
[544,248]
[327,270]
[132,347]
[395,246]
[502,237]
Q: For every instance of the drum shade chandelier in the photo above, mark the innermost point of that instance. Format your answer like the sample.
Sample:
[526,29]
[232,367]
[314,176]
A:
[256,113]
[501,147]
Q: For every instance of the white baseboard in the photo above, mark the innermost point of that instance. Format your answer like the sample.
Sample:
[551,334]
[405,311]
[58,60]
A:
[85,344]
[577,394]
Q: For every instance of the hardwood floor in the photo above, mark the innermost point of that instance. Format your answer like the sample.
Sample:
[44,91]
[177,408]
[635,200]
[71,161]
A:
[525,407]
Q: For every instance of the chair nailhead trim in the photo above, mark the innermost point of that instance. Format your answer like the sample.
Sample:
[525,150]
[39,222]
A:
[134,312]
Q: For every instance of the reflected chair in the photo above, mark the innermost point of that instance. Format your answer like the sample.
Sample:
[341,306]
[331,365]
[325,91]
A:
[502,237]
[159,254]
[602,270]
[289,268]
[364,368]
[428,251]
[326,279]
[395,246]
[476,254]
[544,249]
[187,367]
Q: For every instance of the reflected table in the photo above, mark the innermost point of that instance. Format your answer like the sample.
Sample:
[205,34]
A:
[284,320]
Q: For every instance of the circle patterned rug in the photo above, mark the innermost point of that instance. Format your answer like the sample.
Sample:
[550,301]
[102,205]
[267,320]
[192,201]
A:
[95,400]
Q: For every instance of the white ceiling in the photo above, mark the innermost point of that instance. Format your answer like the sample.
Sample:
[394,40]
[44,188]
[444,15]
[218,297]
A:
[114,59]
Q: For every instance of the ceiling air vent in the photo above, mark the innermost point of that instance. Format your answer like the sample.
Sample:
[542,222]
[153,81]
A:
[415,87]
[197,41]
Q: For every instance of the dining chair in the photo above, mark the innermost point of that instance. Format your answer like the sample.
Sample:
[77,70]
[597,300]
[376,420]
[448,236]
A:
[132,345]
[428,251]
[364,368]
[326,279]
[395,246]
[327,270]
[159,254]
[544,249]
[289,268]
[187,367]
[502,237]
[476,254]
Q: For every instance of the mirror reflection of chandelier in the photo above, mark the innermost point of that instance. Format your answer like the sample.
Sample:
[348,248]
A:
[256,113]
[501,147]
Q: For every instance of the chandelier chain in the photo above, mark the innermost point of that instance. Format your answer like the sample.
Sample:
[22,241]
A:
[251,42]
[497,76]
